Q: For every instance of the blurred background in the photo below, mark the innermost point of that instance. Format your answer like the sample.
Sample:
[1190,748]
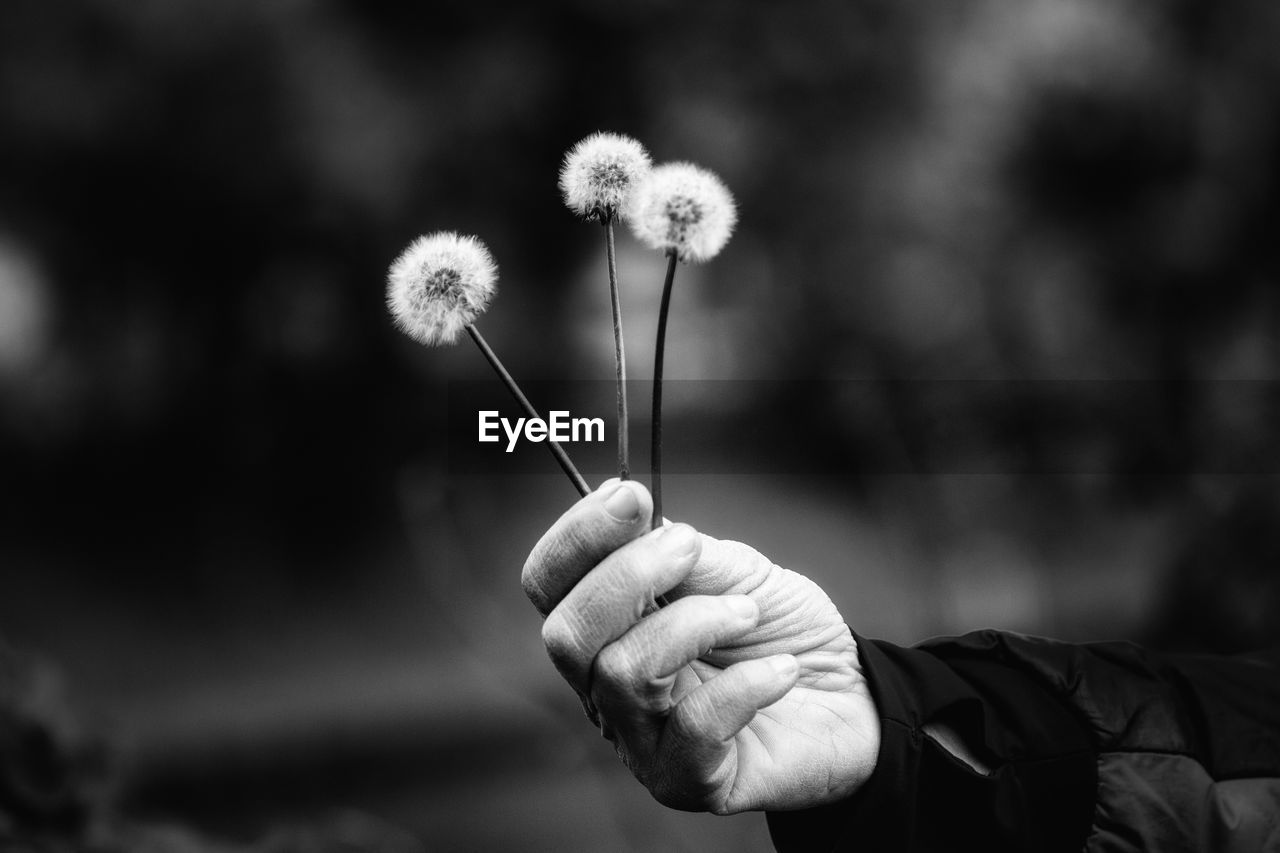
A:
[1003,299]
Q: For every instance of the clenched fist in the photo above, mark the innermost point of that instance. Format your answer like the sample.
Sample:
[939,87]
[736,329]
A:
[742,692]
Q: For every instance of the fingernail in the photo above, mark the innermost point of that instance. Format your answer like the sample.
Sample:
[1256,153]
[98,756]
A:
[678,539]
[784,666]
[622,504]
[740,605]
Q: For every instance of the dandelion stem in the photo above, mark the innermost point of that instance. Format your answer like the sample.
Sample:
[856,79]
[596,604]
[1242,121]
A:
[620,358]
[655,455]
[556,450]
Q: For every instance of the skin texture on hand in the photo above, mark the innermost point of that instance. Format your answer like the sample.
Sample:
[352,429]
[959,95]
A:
[743,692]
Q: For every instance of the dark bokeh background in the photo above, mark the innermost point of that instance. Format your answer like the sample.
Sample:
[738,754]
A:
[268,609]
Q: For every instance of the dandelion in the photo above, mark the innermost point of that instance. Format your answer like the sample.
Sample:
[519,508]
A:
[684,210]
[597,178]
[439,285]
[599,174]
[437,288]
[688,213]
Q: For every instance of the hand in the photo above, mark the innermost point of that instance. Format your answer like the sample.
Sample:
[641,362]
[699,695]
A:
[743,692]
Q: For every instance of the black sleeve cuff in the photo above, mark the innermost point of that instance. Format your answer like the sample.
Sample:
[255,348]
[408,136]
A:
[1040,795]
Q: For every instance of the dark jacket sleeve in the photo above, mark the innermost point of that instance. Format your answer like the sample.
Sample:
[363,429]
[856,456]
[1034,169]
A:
[1091,747]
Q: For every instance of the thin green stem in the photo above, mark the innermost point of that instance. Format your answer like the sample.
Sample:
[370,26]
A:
[655,455]
[620,357]
[556,450]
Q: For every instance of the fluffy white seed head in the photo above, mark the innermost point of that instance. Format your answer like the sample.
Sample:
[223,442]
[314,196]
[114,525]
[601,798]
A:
[599,174]
[439,285]
[684,209]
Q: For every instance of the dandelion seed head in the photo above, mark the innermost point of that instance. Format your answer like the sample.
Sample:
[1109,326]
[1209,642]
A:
[439,285]
[599,174]
[685,209]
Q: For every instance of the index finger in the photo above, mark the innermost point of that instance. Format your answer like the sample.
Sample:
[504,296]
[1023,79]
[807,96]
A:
[589,531]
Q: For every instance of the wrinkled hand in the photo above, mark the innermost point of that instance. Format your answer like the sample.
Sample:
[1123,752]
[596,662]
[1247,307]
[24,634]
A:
[743,692]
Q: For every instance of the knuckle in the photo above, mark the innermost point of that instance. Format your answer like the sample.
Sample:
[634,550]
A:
[531,582]
[617,669]
[622,671]
[687,722]
[559,638]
